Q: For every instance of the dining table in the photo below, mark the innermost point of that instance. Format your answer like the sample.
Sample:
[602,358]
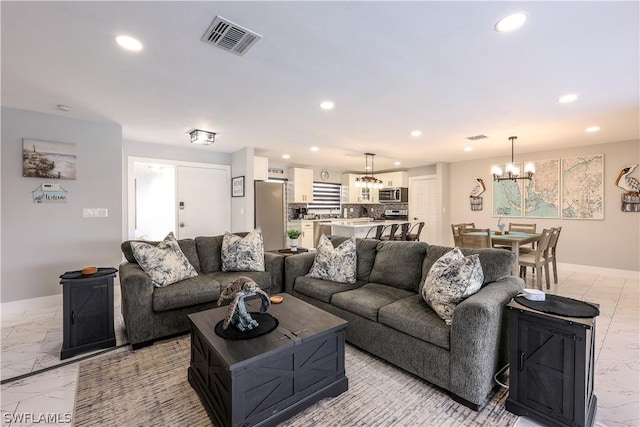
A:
[515,239]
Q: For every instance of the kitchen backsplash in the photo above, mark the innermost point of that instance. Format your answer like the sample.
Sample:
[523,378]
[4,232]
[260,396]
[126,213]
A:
[374,210]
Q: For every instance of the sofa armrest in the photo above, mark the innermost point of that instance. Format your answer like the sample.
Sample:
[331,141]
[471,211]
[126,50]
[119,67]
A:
[476,333]
[274,264]
[137,302]
[296,266]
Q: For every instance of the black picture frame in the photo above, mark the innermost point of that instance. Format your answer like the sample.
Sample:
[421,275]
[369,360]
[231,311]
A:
[237,186]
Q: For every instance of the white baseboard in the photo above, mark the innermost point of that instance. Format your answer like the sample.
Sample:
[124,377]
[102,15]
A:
[627,274]
[38,303]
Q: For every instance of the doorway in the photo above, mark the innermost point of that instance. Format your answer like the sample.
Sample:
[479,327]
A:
[188,199]
[423,202]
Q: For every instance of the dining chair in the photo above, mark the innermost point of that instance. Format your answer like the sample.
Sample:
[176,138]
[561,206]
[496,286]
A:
[414,235]
[377,232]
[391,228]
[456,229]
[537,260]
[479,240]
[524,228]
[404,231]
[551,252]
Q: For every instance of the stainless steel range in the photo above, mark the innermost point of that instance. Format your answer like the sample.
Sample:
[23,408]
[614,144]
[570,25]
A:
[396,214]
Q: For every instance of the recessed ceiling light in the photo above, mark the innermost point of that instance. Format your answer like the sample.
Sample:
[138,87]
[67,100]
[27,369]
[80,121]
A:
[511,22]
[286,156]
[397,163]
[593,129]
[314,149]
[129,43]
[416,133]
[468,148]
[564,99]
[327,105]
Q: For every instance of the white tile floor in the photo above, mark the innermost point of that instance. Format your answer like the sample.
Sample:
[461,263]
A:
[31,340]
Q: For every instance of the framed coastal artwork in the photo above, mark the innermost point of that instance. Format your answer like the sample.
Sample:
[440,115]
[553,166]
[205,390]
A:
[50,160]
[507,197]
[583,187]
[542,192]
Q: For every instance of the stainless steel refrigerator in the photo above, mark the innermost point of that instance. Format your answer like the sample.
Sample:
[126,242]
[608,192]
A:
[271,213]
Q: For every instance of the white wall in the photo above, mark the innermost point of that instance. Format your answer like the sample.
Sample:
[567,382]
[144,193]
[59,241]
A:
[242,214]
[610,243]
[42,241]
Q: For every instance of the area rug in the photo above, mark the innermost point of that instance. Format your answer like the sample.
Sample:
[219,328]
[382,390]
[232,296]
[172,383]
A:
[149,387]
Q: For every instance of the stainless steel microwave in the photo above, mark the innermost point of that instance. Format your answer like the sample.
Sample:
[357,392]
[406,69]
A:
[393,195]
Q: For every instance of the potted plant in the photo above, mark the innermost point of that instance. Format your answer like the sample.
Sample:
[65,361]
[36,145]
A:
[293,239]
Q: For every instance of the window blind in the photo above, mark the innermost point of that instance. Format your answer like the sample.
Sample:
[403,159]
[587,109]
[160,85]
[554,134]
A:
[326,198]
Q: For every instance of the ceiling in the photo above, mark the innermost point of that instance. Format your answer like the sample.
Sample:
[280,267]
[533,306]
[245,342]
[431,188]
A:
[389,67]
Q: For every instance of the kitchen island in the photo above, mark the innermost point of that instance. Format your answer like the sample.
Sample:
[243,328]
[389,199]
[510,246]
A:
[358,228]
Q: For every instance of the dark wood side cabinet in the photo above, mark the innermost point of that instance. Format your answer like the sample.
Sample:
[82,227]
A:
[551,368]
[88,314]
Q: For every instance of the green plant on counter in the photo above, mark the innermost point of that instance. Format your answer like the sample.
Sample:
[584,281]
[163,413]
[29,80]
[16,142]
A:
[294,234]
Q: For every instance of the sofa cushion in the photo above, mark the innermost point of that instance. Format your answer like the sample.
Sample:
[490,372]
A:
[188,247]
[186,293]
[496,263]
[209,253]
[367,300]
[365,255]
[414,317]
[450,280]
[164,263]
[320,289]
[399,264]
[262,278]
[335,264]
[243,253]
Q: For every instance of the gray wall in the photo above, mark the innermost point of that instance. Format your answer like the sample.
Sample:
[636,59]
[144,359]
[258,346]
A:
[42,241]
[610,243]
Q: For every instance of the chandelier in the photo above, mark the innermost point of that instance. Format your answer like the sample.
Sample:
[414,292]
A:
[368,181]
[513,171]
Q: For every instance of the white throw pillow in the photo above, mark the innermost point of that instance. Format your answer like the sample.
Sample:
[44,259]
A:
[336,264]
[165,263]
[243,253]
[451,279]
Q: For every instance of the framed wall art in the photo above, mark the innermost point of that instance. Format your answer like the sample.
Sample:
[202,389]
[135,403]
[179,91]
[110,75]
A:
[51,160]
[237,186]
[583,187]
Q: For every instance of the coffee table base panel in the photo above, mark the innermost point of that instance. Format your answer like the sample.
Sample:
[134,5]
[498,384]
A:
[274,386]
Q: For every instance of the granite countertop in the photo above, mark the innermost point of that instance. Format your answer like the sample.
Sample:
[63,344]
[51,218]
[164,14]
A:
[358,224]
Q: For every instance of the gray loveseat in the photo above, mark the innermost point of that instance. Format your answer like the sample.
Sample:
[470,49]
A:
[151,313]
[389,318]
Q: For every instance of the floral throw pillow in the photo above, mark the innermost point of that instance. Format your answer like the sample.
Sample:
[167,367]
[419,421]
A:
[165,263]
[243,253]
[451,279]
[336,264]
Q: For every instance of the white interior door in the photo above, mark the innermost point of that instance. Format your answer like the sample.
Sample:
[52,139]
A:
[423,207]
[204,201]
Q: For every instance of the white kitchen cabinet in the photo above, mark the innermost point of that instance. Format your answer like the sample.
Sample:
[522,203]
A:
[260,168]
[353,194]
[302,185]
[394,179]
[306,239]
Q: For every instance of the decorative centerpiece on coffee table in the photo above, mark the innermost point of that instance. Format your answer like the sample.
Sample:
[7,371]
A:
[293,239]
[238,323]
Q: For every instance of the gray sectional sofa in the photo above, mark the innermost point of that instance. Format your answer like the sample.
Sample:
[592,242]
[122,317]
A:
[389,318]
[151,313]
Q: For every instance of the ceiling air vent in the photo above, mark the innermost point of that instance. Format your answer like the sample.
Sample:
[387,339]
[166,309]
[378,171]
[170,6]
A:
[230,37]
[477,137]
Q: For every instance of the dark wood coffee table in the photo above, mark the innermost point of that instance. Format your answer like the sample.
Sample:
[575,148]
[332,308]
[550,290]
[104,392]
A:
[265,380]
